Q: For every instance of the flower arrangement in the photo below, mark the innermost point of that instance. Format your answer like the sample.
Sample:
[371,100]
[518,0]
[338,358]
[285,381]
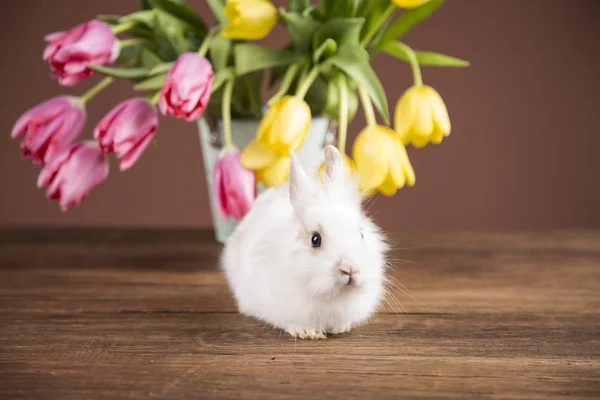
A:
[184,69]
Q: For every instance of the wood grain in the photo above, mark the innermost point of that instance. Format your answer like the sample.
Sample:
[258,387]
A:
[111,314]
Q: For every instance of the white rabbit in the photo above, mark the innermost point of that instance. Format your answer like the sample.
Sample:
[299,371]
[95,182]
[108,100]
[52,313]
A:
[306,259]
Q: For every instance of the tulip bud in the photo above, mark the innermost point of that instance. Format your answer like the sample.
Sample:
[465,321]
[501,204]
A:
[421,117]
[382,161]
[332,104]
[234,188]
[69,53]
[284,127]
[410,3]
[127,130]
[187,88]
[249,19]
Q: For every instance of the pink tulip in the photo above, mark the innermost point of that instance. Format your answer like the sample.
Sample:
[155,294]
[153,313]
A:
[186,91]
[73,173]
[127,130]
[49,126]
[233,185]
[69,53]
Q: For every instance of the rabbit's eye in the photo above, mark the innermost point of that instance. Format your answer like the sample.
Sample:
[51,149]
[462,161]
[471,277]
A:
[315,240]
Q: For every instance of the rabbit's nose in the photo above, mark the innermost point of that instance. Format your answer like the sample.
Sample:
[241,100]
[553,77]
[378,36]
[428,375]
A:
[350,273]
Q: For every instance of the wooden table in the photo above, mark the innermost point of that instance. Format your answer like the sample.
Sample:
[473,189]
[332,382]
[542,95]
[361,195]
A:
[113,314]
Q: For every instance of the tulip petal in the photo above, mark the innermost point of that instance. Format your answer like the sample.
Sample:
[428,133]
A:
[423,123]
[264,128]
[437,136]
[389,186]
[396,168]
[291,125]
[440,112]
[42,112]
[136,151]
[277,173]
[405,113]
[407,167]
[219,190]
[367,154]
[419,142]
[238,197]
[85,169]
[257,155]
[409,3]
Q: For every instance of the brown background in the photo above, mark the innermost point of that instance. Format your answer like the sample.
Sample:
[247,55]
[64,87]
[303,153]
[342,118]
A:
[523,153]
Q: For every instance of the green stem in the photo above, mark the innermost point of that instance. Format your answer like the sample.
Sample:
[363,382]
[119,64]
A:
[285,84]
[414,63]
[131,42]
[155,97]
[376,27]
[307,82]
[343,126]
[90,94]
[123,27]
[367,106]
[226,112]
[208,40]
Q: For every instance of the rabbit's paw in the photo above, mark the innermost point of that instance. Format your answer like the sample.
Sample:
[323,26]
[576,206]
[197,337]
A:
[339,330]
[306,333]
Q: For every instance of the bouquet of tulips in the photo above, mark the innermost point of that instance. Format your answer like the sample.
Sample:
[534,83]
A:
[183,69]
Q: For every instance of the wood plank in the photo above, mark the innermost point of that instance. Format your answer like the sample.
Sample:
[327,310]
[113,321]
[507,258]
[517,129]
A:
[146,314]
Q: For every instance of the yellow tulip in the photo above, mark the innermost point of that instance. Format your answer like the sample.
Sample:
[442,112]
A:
[382,161]
[249,19]
[410,3]
[284,127]
[350,166]
[421,117]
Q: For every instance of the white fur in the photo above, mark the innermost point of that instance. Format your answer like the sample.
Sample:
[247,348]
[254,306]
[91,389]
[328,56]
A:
[277,276]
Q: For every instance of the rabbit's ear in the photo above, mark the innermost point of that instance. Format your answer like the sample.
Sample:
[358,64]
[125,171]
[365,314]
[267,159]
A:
[299,182]
[333,162]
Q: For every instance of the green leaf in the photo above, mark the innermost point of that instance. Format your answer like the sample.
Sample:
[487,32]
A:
[309,12]
[342,30]
[220,49]
[298,5]
[185,13]
[109,19]
[301,28]
[146,4]
[340,8]
[408,19]
[221,77]
[173,36]
[426,58]
[153,83]
[354,61]
[326,49]
[218,9]
[251,57]
[372,11]
[316,95]
[145,17]
[286,82]
[149,58]
[121,73]
[130,55]
[160,68]
[278,72]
